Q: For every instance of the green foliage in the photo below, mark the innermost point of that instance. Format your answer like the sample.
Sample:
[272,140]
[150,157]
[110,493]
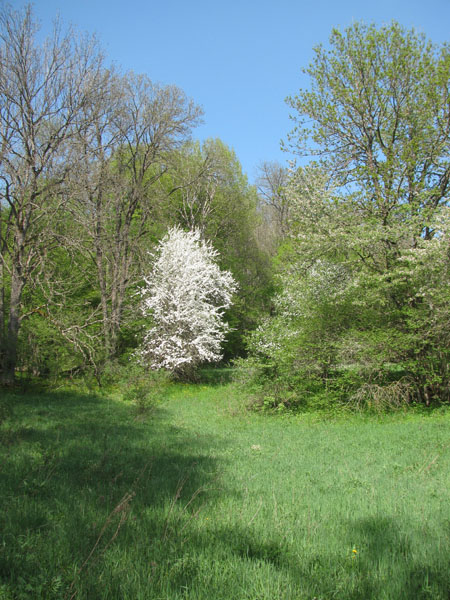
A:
[43,351]
[78,229]
[376,112]
[364,275]
[343,329]
[63,327]
[208,191]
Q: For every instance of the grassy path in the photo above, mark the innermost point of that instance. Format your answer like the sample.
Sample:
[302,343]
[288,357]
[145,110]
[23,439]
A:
[204,501]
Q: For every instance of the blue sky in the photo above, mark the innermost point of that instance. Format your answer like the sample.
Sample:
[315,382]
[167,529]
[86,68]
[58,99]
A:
[238,59]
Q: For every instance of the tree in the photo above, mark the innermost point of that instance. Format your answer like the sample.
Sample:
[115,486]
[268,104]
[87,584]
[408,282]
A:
[364,269]
[81,140]
[271,182]
[294,350]
[379,105]
[210,193]
[378,116]
[114,196]
[44,91]
[186,296]
[199,174]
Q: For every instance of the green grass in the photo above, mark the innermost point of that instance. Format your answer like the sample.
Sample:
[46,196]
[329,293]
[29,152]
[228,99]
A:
[202,500]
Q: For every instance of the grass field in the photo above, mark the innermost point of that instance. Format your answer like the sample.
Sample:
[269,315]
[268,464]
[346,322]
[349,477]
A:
[203,500]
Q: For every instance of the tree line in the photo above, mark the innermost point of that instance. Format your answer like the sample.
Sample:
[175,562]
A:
[340,261]
[362,310]
[95,165]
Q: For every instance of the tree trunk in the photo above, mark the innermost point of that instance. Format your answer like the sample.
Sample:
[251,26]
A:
[2,320]
[10,354]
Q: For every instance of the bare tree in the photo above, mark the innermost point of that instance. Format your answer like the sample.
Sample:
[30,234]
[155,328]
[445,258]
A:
[44,91]
[271,183]
[200,172]
[116,199]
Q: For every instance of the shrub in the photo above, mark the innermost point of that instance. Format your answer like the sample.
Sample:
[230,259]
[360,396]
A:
[145,389]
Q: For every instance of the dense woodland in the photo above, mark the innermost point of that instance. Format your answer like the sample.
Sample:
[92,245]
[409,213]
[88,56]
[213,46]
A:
[341,261]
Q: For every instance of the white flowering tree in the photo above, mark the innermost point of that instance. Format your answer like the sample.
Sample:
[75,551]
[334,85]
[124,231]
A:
[186,294]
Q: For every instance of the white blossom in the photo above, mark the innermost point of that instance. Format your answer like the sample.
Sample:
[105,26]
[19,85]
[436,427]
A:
[186,295]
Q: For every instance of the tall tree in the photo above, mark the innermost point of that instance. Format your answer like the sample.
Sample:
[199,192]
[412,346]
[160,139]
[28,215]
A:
[378,117]
[44,91]
[271,183]
[115,199]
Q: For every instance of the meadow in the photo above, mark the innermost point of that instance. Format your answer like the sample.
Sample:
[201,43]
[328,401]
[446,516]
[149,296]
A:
[201,499]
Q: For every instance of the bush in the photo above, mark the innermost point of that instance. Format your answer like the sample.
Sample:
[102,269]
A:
[273,389]
[145,389]
[382,398]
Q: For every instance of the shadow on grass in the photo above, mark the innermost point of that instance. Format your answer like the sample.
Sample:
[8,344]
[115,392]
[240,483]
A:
[99,504]
[389,562]
[392,558]
[83,478]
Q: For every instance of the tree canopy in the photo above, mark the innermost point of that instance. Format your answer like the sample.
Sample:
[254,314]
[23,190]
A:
[378,117]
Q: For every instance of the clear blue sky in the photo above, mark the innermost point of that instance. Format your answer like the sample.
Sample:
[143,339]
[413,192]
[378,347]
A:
[238,59]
